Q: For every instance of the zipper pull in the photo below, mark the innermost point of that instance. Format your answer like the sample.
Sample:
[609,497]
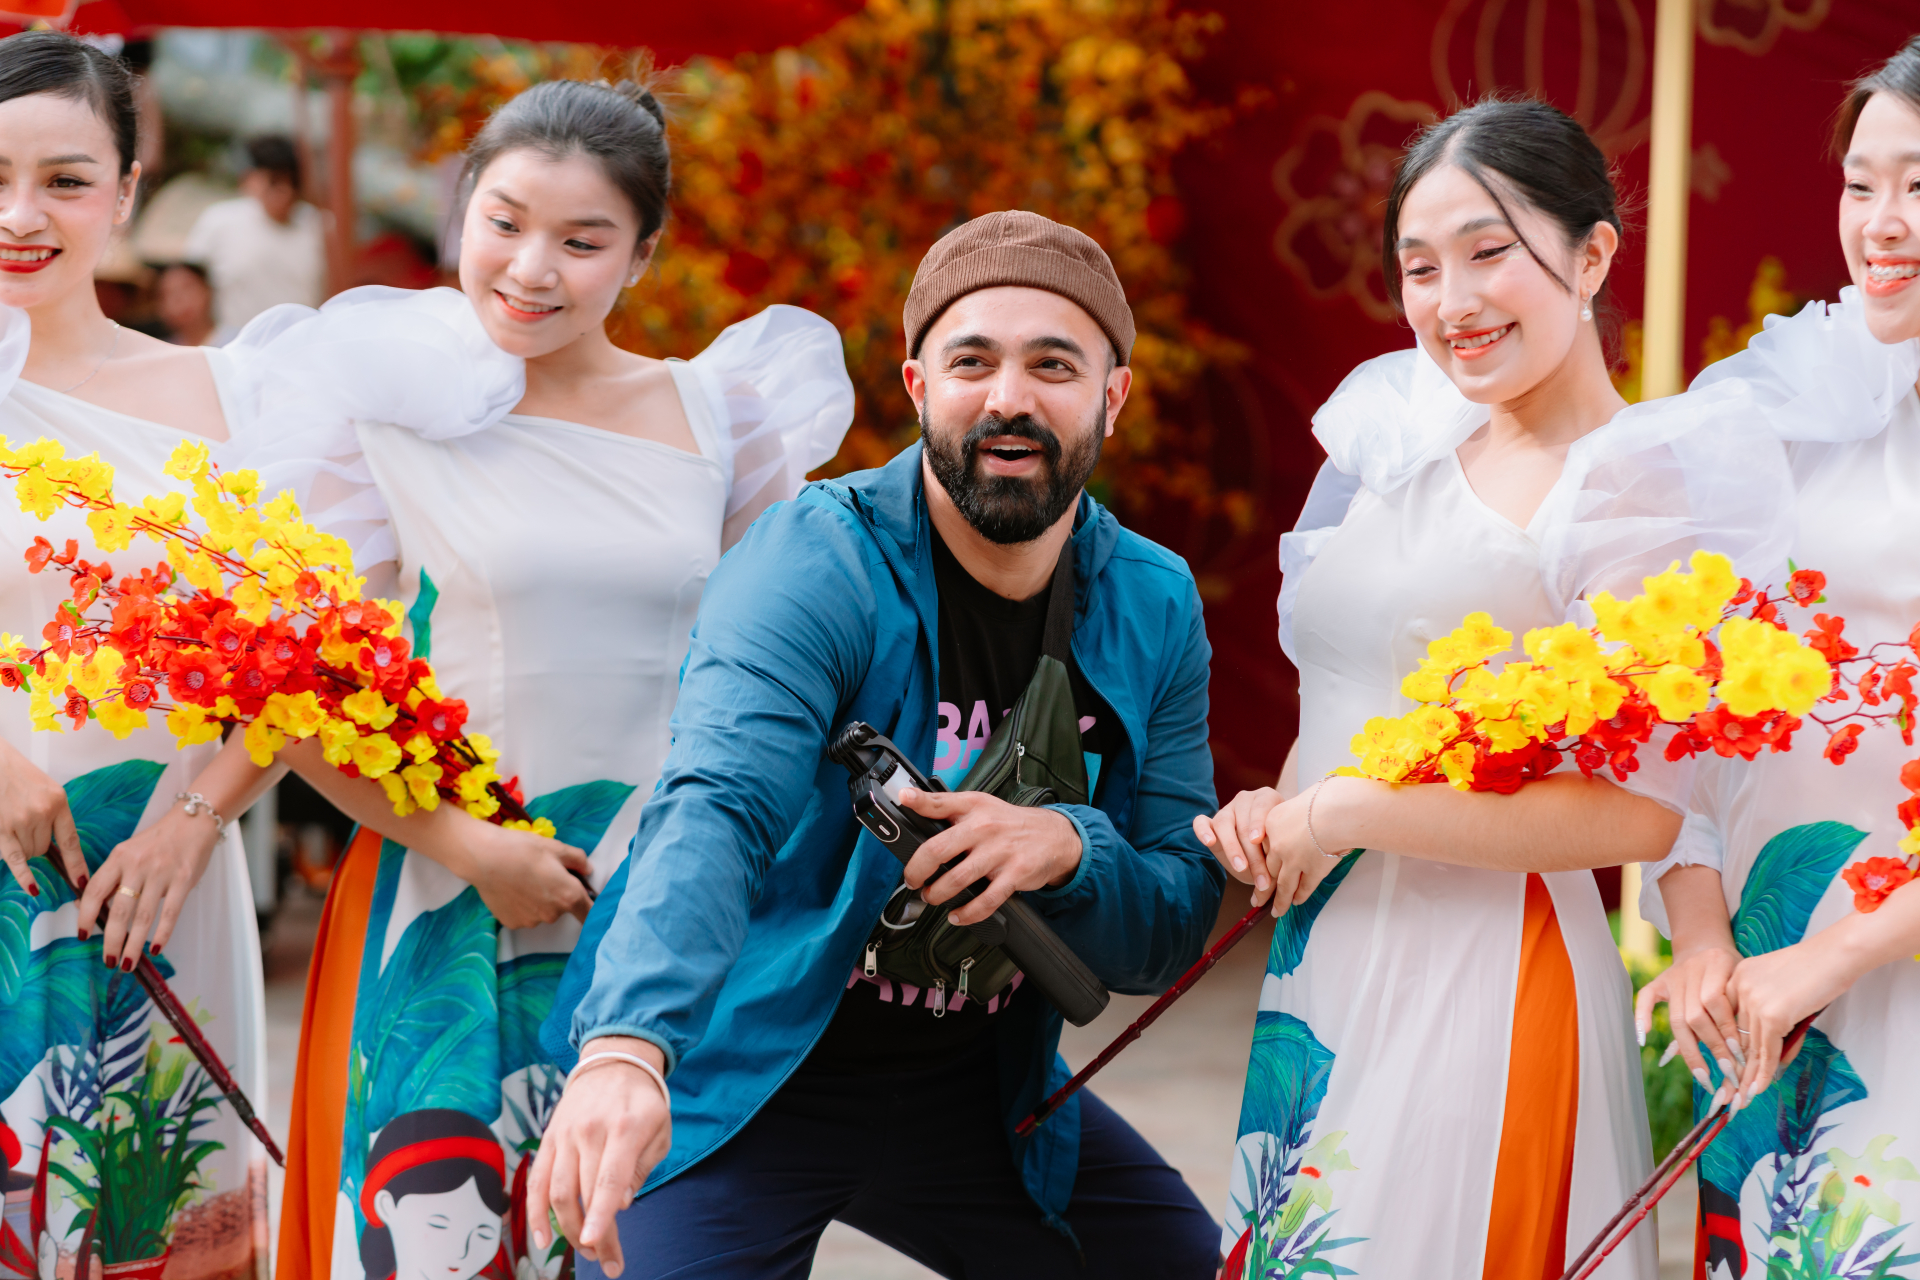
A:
[940,997]
[964,966]
[1020,749]
[872,966]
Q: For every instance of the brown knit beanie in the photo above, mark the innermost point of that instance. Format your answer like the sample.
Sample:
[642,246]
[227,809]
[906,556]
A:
[1018,248]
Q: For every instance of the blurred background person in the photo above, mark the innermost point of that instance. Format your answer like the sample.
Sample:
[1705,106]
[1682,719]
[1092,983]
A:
[183,300]
[265,246]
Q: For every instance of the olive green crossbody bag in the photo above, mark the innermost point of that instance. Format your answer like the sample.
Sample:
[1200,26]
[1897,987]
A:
[1033,758]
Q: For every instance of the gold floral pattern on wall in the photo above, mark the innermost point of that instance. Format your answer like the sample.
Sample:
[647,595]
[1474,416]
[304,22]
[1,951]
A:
[1752,26]
[1334,180]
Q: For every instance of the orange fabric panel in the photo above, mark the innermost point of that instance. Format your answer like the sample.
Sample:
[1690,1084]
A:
[320,1078]
[1527,1228]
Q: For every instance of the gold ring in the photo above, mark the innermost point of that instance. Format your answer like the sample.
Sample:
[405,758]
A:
[123,891]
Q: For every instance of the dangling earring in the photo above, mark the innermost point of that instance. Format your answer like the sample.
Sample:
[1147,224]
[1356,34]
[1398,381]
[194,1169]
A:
[1586,308]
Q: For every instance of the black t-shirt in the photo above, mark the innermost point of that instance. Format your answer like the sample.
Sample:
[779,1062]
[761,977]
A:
[989,646]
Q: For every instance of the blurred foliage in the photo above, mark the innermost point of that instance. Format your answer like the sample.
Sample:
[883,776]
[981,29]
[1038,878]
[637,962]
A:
[820,175]
[1669,1088]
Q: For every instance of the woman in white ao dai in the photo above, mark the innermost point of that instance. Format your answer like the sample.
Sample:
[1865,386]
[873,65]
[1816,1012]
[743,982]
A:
[1444,1080]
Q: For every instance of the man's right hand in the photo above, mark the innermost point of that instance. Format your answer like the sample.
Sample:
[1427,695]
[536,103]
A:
[610,1129]
[34,816]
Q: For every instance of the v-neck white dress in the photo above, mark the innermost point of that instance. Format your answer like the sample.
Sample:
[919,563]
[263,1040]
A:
[1378,1080]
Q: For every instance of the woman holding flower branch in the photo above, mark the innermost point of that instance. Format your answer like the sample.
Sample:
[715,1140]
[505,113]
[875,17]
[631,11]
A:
[546,508]
[1442,1081]
[144,828]
[1793,893]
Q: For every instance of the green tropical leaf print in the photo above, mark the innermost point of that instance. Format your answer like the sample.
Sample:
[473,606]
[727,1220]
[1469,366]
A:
[424,1027]
[420,616]
[107,804]
[50,1002]
[1785,1119]
[527,987]
[581,814]
[1290,935]
[1787,882]
[1286,1078]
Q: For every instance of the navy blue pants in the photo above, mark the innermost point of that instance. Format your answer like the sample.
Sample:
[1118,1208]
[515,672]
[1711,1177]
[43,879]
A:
[920,1163]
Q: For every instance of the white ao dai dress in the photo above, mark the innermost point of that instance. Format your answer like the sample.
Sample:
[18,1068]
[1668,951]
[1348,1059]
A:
[1818,1176]
[1372,1133]
[551,572]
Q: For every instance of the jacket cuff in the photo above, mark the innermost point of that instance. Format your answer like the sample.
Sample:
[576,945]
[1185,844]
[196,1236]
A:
[652,1037]
[1080,873]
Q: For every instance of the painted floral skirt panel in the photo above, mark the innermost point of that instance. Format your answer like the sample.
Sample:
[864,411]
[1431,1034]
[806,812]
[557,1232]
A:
[122,1157]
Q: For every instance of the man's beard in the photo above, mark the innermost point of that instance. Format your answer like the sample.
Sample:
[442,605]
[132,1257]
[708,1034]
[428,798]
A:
[1012,509]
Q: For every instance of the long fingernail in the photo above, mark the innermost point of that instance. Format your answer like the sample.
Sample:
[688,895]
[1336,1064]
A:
[1726,1068]
[1701,1078]
[1720,1096]
[1672,1052]
[1640,1035]
[1739,1101]
[1737,1053]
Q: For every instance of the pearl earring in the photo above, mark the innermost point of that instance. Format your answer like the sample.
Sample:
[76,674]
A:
[633,280]
[1586,308]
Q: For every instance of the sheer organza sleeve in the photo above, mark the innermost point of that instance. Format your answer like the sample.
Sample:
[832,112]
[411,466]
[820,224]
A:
[1660,481]
[1388,418]
[777,386]
[16,335]
[1332,494]
[1820,376]
[416,359]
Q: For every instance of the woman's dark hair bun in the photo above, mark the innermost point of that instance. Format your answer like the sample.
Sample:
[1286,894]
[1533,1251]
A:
[622,127]
[641,96]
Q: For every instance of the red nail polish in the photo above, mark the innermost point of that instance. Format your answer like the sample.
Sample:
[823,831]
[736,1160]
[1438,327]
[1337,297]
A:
[82,886]
[126,966]
[107,960]
[34,890]
[153,949]
[84,935]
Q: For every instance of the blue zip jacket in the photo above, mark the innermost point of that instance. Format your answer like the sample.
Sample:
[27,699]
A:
[729,932]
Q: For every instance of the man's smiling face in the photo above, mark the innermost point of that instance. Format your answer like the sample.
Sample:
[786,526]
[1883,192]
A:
[1017,389]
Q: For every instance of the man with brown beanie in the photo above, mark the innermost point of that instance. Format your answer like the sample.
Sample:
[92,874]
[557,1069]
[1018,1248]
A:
[809,1001]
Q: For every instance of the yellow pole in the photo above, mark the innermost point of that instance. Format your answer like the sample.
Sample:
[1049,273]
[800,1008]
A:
[1669,190]
[1638,938]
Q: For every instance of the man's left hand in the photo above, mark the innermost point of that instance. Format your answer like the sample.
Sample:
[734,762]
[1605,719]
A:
[1011,846]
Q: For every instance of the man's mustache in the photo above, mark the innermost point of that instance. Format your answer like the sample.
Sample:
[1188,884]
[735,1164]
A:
[1023,426]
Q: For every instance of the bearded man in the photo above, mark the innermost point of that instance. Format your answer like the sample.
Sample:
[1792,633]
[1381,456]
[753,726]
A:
[739,951]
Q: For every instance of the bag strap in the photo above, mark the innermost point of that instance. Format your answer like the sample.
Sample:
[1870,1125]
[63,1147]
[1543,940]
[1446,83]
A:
[1057,640]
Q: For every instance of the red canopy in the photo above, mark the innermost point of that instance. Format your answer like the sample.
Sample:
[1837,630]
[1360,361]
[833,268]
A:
[672,31]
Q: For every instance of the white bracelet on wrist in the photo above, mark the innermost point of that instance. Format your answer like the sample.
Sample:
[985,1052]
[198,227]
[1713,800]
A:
[193,804]
[609,1055]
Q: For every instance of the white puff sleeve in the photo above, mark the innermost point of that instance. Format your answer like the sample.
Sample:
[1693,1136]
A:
[777,386]
[1388,418]
[1821,375]
[16,336]
[414,358]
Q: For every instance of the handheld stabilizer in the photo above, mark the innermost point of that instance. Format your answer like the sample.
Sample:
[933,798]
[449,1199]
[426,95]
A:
[879,772]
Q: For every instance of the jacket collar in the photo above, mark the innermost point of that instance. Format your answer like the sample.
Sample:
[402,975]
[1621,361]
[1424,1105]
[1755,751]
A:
[891,500]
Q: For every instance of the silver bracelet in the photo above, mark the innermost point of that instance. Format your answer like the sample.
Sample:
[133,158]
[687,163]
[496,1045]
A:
[1311,797]
[609,1055]
[196,804]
